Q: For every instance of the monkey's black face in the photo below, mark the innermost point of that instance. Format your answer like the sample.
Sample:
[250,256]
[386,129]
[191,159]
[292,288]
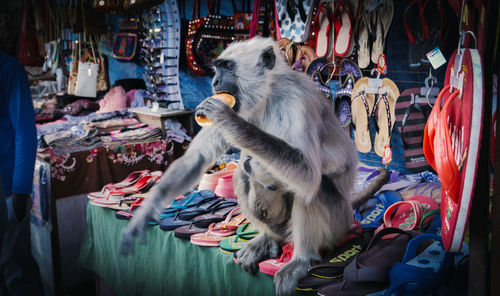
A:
[224,80]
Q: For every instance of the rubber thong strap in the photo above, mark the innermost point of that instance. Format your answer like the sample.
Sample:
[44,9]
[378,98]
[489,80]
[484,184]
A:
[365,102]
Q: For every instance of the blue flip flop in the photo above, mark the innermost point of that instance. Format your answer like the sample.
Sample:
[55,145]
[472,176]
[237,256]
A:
[171,223]
[191,200]
[205,208]
[421,274]
[371,214]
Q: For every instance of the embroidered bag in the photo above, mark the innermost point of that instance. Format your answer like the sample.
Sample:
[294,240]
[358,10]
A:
[213,36]
[193,25]
[73,73]
[125,45]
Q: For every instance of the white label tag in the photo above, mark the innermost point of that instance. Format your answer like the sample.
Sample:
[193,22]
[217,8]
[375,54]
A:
[162,58]
[436,58]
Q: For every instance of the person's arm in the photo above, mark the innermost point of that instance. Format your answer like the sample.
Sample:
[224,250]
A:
[22,117]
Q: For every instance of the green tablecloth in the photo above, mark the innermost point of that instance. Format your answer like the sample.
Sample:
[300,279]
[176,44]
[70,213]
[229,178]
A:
[165,265]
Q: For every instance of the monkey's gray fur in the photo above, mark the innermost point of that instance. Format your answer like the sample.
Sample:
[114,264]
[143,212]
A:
[297,165]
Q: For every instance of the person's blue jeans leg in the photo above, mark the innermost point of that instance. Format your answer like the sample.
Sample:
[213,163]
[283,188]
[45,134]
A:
[21,275]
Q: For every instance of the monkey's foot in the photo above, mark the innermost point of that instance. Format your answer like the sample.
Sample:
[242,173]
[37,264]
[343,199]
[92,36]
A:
[260,247]
[289,275]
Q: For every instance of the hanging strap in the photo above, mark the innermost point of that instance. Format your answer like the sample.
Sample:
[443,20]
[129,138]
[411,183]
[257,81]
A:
[255,18]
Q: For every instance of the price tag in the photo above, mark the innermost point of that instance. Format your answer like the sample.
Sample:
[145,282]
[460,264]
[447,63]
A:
[387,155]
[162,58]
[436,58]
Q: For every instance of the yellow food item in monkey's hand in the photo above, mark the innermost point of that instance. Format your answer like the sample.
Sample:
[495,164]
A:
[227,98]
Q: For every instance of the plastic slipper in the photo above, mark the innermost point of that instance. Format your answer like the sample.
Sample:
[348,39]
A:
[185,232]
[430,189]
[409,214]
[412,117]
[232,222]
[417,31]
[244,233]
[384,112]
[420,274]
[271,266]
[303,58]
[171,223]
[208,238]
[457,142]
[142,185]
[207,207]
[191,200]
[369,271]
[348,67]
[217,215]
[361,106]
[433,12]
[342,21]
[128,181]
[371,214]
[383,18]
[363,41]
[322,30]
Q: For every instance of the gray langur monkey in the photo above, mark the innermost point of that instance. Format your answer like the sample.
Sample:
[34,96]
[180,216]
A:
[297,165]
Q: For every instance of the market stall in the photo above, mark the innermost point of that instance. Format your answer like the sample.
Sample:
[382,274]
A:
[116,85]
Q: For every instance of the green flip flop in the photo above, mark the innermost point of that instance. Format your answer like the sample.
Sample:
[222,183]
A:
[234,243]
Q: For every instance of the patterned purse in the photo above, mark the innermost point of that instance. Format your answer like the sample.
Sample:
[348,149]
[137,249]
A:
[193,25]
[213,36]
[125,45]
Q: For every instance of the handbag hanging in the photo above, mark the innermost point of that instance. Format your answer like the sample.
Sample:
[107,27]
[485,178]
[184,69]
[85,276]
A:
[213,36]
[193,26]
[29,51]
[125,45]
[86,82]
[73,73]
[265,20]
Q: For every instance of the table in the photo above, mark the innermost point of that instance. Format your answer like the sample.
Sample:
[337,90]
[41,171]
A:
[165,265]
[87,171]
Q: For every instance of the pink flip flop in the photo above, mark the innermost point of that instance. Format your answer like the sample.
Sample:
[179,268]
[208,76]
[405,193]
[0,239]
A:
[128,181]
[271,266]
[343,30]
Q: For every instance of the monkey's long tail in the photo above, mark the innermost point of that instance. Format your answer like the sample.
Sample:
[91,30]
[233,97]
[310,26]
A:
[365,194]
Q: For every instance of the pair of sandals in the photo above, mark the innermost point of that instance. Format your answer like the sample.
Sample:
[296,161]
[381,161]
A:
[333,29]
[373,25]
[379,107]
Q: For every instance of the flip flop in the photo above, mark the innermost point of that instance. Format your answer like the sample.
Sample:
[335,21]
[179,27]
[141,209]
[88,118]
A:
[361,106]
[384,112]
[185,232]
[194,199]
[210,238]
[409,214]
[131,179]
[430,189]
[322,30]
[332,267]
[342,101]
[383,18]
[349,67]
[363,41]
[371,214]
[207,207]
[462,155]
[423,273]
[342,21]
[234,243]
[417,31]
[412,117]
[217,215]
[369,271]
[271,266]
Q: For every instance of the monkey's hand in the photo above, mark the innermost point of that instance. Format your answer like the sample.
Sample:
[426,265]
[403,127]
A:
[216,110]
[148,212]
